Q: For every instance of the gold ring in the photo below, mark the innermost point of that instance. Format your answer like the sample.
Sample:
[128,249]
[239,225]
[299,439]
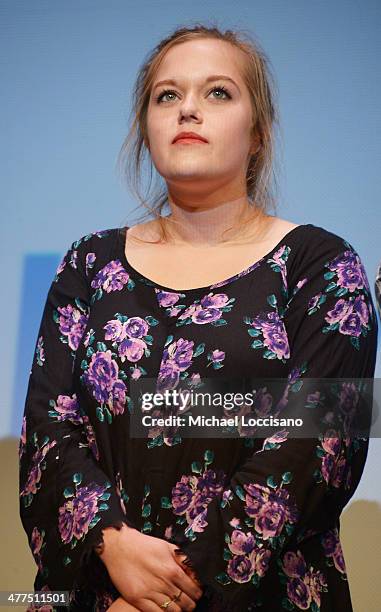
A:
[166,604]
[177,597]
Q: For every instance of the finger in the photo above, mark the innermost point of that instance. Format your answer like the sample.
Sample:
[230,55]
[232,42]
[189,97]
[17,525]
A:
[121,605]
[180,558]
[181,601]
[181,580]
[150,605]
[159,598]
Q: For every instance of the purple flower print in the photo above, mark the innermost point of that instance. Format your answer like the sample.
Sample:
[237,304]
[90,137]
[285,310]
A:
[350,271]
[274,335]
[339,472]
[299,593]
[37,544]
[327,466]
[72,323]
[261,407]
[330,443]
[334,465]
[100,233]
[294,564]
[76,515]
[215,359]
[209,310]
[60,267]
[66,408]
[270,509]
[360,308]
[260,558]
[101,374]
[136,373]
[349,401]
[40,353]
[112,277]
[217,355]
[32,484]
[198,524]
[22,441]
[350,316]
[317,584]
[90,436]
[89,338]
[169,375]
[218,300]
[136,327]
[274,441]
[241,568]
[192,494]
[303,586]
[132,349]
[90,261]
[129,335]
[115,330]
[338,313]
[101,377]
[177,357]
[263,401]
[117,398]
[329,542]
[333,550]
[279,260]
[241,543]
[123,497]
[197,314]
[167,298]
[182,494]
[73,259]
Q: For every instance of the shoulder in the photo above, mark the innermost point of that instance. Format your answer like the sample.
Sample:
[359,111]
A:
[97,244]
[91,249]
[314,244]
[96,240]
[319,255]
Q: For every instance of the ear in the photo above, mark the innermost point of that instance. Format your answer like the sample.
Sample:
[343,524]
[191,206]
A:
[256,144]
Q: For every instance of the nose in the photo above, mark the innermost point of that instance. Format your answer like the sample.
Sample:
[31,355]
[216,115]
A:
[189,109]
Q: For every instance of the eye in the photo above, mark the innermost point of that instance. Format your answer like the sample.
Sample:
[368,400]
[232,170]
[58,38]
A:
[220,88]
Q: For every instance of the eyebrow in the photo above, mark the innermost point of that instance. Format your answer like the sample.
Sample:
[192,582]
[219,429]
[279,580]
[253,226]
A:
[212,77]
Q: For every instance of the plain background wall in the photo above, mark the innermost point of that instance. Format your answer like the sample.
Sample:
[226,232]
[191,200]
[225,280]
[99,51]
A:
[67,71]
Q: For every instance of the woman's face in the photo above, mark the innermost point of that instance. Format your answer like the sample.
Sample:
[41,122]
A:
[196,104]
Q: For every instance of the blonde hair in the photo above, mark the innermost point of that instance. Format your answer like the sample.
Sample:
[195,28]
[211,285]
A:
[260,176]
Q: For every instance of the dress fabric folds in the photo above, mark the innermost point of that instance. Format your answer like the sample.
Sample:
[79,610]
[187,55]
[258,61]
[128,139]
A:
[257,517]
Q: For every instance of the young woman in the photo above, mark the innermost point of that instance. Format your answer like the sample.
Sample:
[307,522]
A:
[217,289]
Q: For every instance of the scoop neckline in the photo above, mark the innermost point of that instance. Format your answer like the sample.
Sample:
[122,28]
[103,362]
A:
[253,266]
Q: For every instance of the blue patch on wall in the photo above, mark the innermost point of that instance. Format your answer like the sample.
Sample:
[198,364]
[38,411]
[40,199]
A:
[38,274]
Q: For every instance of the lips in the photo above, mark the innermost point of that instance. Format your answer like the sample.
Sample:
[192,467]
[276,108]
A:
[189,137]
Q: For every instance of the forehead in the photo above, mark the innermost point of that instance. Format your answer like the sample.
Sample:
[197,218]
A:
[199,58]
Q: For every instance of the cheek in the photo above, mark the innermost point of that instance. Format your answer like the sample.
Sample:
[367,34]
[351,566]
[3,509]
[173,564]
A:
[233,130]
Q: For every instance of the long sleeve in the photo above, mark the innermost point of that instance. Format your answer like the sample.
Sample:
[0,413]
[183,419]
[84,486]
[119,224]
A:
[292,487]
[66,498]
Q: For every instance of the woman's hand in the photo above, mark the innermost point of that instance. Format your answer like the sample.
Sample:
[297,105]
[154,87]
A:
[121,605]
[188,570]
[145,571]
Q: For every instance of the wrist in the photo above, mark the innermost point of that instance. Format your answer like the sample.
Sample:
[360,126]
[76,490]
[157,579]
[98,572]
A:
[110,539]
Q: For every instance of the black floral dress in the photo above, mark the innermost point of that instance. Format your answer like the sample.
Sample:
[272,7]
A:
[258,517]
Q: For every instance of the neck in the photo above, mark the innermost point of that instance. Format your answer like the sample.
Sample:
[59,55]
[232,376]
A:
[204,226]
